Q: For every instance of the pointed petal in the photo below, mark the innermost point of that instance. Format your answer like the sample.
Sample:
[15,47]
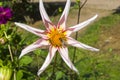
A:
[64,54]
[35,31]
[82,25]
[43,11]
[52,51]
[44,15]
[39,43]
[75,43]
[63,18]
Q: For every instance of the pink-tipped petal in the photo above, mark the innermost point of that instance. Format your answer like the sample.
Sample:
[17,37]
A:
[75,43]
[44,15]
[52,51]
[43,11]
[63,18]
[39,43]
[64,54]
[35,31]
[82,25]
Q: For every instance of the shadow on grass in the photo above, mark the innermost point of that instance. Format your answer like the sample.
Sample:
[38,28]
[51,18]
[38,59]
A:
[22,11]
[117,11]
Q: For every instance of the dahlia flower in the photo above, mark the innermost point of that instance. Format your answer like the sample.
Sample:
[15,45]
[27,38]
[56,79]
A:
[5,14]
[56,37]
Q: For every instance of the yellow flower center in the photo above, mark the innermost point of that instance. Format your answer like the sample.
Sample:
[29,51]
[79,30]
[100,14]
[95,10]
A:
[56,37]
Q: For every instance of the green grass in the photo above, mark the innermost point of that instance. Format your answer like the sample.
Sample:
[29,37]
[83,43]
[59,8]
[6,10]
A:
[103,65]
[92,33]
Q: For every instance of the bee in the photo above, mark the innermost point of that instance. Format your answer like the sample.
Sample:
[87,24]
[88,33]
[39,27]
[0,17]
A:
[64,43]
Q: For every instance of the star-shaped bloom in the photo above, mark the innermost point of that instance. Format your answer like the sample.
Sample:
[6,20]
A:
[56,37]
[5,14]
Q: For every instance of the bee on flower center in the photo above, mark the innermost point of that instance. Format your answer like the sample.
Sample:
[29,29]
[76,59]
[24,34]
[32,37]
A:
[57,37]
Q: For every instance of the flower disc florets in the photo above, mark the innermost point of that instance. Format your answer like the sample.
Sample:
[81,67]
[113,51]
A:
[56,37]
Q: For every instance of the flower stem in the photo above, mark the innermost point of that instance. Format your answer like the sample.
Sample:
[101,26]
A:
[80,6]
[37,61]
[76,34]
[54,63]
[15,75]
[78,20]
[12,60]
[54,66]
[10,53]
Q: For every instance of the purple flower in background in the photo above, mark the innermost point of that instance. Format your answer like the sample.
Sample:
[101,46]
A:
[5,15]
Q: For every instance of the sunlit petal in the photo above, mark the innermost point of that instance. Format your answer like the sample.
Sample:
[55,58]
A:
[64,54]
[44,15]
[35,31]
[52,51]
[82,25]
[39,43]
[63,18]
[75,43]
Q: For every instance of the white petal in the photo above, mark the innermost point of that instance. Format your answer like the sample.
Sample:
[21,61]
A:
[52,51]
[64,54]
[35,31]
[75,43]
[44,15]
[43,11]
[63,18]
[68,32]
[39,43]
[82,25]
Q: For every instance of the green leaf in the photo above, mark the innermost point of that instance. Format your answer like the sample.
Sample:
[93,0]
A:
[25,61]
[43,78]
[59,75]
[1,62]
[19,75]
[60,9]
[37,52]
[1,3]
